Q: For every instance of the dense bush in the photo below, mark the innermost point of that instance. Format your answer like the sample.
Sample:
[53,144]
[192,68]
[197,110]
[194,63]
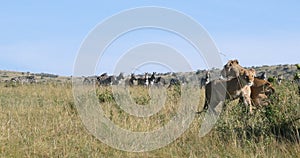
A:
[278,121]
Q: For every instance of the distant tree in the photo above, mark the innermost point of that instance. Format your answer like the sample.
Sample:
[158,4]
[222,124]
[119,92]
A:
[297,76]
[298,66]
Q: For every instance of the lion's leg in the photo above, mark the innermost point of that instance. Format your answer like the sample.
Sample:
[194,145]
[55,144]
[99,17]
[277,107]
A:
[250,108]
[248,102]
[246,95]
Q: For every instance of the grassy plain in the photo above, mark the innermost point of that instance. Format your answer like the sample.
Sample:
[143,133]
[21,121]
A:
[40,120]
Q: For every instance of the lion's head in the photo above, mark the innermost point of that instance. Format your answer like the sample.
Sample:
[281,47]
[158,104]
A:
[231,69]
[247,76]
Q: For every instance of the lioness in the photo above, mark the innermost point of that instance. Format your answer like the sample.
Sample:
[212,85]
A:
[231,69]
[217,91]
[260,90]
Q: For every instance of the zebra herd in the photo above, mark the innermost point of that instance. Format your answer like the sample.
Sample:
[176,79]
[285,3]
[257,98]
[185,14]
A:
[22,80]
[146,80]
[155,79]
[278,78]
[104,79]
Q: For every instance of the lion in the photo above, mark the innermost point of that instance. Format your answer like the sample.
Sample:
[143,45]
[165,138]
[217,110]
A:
[260,90]
[231,69]
[217,91]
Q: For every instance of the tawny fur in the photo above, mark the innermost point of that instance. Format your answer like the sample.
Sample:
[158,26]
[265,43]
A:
[259,91]
[218,90]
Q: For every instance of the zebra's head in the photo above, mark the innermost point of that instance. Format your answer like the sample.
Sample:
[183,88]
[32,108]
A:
[132,77]
[121,76]
[146,75]
[153,76]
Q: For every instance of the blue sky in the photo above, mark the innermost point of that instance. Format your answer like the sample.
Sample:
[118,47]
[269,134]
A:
[39,36]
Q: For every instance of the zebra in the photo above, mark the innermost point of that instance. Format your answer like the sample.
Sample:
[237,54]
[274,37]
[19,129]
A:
[89,80]
[106,80]
[143,81]
[86,81]
[205,80]
[119,79]
[152,79]
[160,81]
[183,80]
[121,76]
[156,80]
[279,79]
[131,81]
[263,76]
[23,79]
[174,82]
[104,75]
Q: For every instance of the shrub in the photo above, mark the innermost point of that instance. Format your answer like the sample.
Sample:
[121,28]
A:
[106,96]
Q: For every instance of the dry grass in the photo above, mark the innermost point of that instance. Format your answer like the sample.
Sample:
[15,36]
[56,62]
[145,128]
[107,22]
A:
[40,121]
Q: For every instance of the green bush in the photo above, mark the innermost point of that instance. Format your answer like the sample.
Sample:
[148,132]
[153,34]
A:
[106,96]
[298,66]
[142,100]
[277,121]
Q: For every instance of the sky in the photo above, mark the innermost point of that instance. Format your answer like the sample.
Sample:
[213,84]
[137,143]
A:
[39,36]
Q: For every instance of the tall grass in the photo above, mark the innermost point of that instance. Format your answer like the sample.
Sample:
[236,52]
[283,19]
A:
[40,120]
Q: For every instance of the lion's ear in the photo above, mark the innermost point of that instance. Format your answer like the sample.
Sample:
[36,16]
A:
[242,71]
[253,71]
[229,63]
[236,61]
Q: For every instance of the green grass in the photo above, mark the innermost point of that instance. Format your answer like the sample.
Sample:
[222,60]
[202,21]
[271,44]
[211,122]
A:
[40,120]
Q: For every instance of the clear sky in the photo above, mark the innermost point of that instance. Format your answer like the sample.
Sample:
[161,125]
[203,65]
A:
[39,36]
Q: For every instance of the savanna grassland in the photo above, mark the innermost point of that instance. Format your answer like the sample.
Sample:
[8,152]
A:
[40,120]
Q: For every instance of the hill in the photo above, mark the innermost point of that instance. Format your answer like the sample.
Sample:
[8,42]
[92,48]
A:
[287,71]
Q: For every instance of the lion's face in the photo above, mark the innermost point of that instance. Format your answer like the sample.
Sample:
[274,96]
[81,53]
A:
[231,69]
[248,76]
